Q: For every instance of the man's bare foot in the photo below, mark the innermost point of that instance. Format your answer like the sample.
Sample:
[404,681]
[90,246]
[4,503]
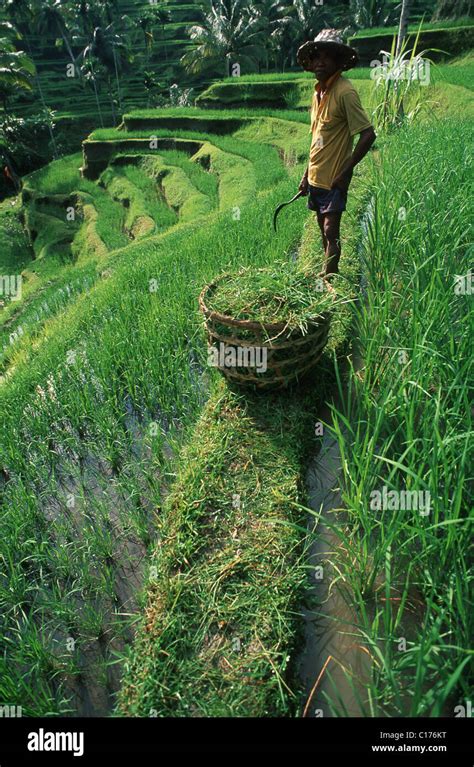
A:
[324,281]
[326,275]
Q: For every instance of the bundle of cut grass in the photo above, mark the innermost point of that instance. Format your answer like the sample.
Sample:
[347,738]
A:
[267,327]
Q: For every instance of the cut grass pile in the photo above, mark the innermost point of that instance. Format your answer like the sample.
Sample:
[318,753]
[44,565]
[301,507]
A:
[279,293]
[220,616]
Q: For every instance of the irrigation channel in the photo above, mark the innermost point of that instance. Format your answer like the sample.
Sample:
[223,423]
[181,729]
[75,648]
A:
[332,665]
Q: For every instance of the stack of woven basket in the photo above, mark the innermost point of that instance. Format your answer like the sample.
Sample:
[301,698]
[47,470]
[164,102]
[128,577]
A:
[289,352]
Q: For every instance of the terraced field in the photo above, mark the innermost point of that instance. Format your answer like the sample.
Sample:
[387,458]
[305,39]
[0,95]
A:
[145,230]
[70,97]
[153,527]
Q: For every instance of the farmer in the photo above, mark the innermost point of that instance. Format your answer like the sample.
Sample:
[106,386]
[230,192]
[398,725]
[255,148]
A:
[336,116]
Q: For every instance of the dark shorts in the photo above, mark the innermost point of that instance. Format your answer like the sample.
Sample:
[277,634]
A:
[326,200]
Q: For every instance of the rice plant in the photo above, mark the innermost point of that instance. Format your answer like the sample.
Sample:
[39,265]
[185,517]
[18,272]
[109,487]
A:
[399,84]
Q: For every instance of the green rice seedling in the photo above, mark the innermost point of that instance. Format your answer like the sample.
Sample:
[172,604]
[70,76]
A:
[205,182]
[219,114]
[179,194]
[19,330]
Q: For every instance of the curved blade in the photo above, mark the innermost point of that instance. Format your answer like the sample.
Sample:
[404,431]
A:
[282,205]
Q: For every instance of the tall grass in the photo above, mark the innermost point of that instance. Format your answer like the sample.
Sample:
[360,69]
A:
[399,82]
[406,424]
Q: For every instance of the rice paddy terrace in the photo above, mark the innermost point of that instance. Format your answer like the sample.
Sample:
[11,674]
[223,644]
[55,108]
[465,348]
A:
[71,98]
[153,532]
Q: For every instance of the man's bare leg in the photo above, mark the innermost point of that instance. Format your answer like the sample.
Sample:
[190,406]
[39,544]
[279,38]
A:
[320,220]
[331,232]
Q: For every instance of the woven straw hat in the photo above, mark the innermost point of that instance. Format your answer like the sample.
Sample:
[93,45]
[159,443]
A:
[330,40]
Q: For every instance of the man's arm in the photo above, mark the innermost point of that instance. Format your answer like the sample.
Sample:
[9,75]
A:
[366,139]
[303,187]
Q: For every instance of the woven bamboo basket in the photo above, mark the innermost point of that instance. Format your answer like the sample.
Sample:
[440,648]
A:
[289,353]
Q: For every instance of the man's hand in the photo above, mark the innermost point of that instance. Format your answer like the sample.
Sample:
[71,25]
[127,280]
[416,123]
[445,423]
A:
[342,180]
[304,187]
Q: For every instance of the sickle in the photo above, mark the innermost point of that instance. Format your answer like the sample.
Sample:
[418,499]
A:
[282,205]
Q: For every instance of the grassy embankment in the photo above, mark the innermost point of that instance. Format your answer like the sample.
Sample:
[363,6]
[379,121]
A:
[413,27]
[447,85]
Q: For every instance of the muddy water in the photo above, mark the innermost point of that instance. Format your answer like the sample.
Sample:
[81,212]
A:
[100,501]
[332,663]
[103,511]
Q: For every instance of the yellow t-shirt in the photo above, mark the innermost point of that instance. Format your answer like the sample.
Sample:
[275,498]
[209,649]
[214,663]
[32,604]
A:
[341,116]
